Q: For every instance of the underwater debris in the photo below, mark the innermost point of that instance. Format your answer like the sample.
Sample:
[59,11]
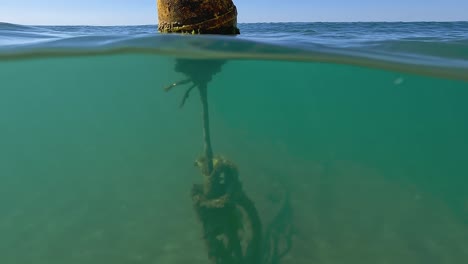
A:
[231,226]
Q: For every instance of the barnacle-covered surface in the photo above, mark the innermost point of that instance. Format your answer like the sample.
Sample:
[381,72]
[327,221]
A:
[197,16]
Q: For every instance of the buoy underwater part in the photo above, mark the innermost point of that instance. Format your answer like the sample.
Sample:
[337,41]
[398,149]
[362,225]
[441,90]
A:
[197,16]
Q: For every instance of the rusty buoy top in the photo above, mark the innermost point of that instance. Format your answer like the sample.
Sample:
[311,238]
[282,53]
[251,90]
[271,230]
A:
[197,16]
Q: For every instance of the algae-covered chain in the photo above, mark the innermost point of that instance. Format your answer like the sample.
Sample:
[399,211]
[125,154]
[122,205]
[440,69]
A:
[232,229]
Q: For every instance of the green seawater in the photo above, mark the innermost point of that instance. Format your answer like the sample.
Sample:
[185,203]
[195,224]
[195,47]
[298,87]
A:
[96,159]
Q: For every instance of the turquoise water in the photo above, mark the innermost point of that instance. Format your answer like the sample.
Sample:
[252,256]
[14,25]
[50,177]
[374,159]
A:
[363,124]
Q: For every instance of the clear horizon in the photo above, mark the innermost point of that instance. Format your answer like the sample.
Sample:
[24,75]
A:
[144,12]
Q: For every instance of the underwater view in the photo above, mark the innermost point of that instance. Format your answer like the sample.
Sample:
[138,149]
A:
[350,139]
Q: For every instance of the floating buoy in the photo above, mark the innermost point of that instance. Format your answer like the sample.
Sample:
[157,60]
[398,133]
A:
[197,17]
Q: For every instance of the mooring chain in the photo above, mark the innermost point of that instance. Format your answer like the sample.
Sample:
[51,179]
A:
[222,206]
[222,193]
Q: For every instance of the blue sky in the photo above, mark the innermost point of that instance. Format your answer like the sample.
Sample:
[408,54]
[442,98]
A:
[137,12]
